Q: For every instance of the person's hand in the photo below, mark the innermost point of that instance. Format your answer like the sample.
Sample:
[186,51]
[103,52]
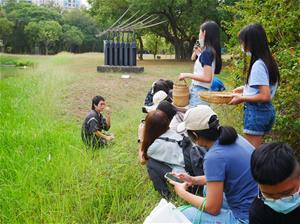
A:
[183,76]
[238,89]
[107,111]
[109,137]
[185,177]
[179,187]
[236,100]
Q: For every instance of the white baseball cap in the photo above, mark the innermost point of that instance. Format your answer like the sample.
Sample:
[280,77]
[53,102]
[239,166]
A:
[157,98]
[196,118]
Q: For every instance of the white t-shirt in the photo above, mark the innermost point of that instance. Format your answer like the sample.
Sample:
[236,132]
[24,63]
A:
[205,58]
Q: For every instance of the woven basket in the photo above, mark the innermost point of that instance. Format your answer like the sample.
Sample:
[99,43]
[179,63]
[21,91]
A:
[181,93]
[217,97]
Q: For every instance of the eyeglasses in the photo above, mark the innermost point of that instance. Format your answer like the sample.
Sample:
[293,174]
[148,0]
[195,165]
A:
[288,198]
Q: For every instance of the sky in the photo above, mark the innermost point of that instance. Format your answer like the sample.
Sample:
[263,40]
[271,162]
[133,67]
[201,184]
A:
[84,2]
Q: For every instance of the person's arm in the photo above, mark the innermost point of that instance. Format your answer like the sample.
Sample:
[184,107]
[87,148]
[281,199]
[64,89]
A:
[264,95]
[214,198]
[206,76]
[107,118]
[197,180]
[99,134]
[141,155]
[194,56]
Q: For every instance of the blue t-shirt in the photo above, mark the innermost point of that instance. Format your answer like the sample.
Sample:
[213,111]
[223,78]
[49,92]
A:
[206,57]
[259,76]
[231,164]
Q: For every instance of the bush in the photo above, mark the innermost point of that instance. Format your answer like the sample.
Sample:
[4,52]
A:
[281,28]
[4,60]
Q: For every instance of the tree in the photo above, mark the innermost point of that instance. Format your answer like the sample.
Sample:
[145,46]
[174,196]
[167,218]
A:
[72,37]
[152,43]
[23,13]
[183,18]
[50,32]
[86,24]
[6,29]
[32,31]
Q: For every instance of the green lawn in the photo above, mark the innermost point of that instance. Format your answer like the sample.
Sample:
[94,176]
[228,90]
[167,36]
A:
[46,174]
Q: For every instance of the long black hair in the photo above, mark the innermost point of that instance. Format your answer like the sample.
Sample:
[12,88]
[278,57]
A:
[212,40]
[225,134]
[254,39]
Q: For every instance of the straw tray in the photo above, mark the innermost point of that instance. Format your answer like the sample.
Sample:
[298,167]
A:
[217,97]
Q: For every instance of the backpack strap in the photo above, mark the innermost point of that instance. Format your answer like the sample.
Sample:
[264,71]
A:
[169,140]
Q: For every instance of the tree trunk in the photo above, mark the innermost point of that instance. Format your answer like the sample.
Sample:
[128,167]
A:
[179,50]
[46,48]
[141,48]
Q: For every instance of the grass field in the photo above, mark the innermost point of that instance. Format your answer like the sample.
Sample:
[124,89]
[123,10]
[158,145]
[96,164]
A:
[46,174]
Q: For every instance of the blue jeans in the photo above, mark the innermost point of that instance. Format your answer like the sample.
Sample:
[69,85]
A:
[224,217]
[195,99]
[258,118]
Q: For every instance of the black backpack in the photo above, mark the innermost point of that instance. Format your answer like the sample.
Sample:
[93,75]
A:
[193,159]
[193,155]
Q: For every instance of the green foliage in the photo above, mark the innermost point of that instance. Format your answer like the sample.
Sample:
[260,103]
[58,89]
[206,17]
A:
[72,37]
[7,60]
[281,22]
[32,31]
[86,24]
[20,27]
[6,29]
[50,32]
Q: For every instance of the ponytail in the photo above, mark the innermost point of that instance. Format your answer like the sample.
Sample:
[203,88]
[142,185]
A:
[228,135]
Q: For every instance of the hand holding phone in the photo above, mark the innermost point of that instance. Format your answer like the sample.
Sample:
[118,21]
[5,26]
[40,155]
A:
[170,176]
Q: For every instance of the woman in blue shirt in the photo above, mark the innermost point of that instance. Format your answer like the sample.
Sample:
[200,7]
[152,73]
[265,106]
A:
[226,169]
[261,84]
[207,64]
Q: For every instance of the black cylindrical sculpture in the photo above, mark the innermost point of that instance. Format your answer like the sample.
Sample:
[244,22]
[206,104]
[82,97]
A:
[120,53]
[106,52]
[116,56]
[133,47]
[126,51]
[111,53]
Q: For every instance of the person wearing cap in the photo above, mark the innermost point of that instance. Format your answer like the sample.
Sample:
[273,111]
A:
[226,169]
[161,84]
[164,106]
[157,98]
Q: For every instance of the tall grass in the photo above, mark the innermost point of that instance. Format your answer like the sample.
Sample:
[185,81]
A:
[46,173]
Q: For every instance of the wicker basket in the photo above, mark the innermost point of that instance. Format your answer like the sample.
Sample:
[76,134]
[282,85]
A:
[217,97]
[181,93]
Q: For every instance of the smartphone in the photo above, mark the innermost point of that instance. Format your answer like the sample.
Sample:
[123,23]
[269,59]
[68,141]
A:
[172,177]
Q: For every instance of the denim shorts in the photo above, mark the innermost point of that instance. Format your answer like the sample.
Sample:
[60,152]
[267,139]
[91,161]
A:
[195,99]
[258,118]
